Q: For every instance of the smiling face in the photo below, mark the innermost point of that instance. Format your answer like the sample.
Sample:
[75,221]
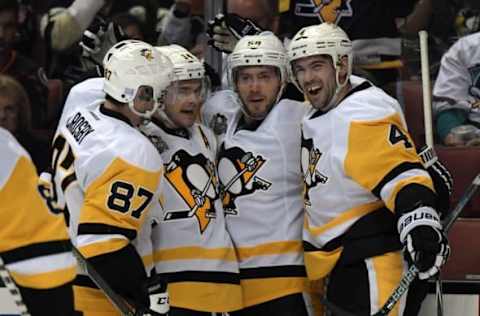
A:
[316,77]
[182,109]
[258,87]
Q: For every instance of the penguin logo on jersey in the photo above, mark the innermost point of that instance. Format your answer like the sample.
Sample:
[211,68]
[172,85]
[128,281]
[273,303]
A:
[194,179]
[475,87]
[158,142]
[237,173]
[332,11]
[310,157]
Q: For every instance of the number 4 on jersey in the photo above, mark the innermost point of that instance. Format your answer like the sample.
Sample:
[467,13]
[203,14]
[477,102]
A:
[396,135]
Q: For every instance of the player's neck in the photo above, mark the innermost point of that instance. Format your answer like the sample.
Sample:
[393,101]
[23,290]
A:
[125,111]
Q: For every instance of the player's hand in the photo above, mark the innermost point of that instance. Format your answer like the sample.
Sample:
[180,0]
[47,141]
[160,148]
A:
[226,30]
[425,244]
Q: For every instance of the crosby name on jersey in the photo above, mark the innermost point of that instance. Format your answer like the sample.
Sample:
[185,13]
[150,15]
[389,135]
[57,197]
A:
[108,190]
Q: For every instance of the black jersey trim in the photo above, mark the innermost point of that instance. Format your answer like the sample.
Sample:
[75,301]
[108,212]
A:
[201,276]
[36,250]
[399,169]
[273,272]
[104,229]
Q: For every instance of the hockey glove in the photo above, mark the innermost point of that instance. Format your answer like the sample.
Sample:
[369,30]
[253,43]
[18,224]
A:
[226,30]
[124,271]
[425,244]
[212,74]
[99,38]
[158,295]
[442,179]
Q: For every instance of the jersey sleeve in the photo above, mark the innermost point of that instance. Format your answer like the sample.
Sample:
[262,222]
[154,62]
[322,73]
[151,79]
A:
[381,157]
[115,206]
[34,242]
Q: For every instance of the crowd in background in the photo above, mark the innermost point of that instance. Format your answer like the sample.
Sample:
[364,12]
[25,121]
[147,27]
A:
[48,46]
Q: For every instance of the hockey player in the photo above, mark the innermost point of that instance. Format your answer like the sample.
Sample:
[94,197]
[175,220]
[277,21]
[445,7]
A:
[107,175]
[366,191]
[193,249]
[260,178]
[34,242]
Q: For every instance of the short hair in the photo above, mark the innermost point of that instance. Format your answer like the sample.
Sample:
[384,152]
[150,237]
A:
[9,5]
[12,89]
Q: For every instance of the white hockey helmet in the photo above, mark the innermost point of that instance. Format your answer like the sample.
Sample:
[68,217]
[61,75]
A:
[264,49]
[322,39]
[186,65]
[130,65]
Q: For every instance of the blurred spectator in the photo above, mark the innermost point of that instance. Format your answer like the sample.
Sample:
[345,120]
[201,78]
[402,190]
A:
[66,21]
[371,24]
[183,24]
[19,66]
[456,93]
[445,21]
[131,26]
[15,116]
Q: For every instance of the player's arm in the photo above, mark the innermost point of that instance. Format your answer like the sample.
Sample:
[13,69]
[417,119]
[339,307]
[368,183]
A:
[115,206]
[382,158]
[34,243]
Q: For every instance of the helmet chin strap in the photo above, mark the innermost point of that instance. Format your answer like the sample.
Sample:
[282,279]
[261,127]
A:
[165,119]
[334,100]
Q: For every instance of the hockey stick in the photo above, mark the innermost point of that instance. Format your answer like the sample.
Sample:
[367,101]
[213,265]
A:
[413,270]
[426,88]
[114,298]
[13,289]
[189,213]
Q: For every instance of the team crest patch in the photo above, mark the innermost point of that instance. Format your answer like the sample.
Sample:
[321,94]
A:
[331,11]
[147,53]
[218,124]
[159,143]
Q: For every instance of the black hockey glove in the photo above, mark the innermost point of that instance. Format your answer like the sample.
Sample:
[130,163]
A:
[156,288]
[425,244]
[226,30]
[441,177]
[99,38]
[215,80]
[124,271]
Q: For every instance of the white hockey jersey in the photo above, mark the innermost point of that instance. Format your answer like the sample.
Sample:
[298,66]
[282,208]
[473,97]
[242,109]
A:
[458,81]
[107,177]
[82,95]
[262,196]
[193,249]
[355,159]
[34,242]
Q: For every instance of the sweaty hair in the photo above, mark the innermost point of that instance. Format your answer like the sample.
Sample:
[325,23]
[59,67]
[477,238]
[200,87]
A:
[13,90]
